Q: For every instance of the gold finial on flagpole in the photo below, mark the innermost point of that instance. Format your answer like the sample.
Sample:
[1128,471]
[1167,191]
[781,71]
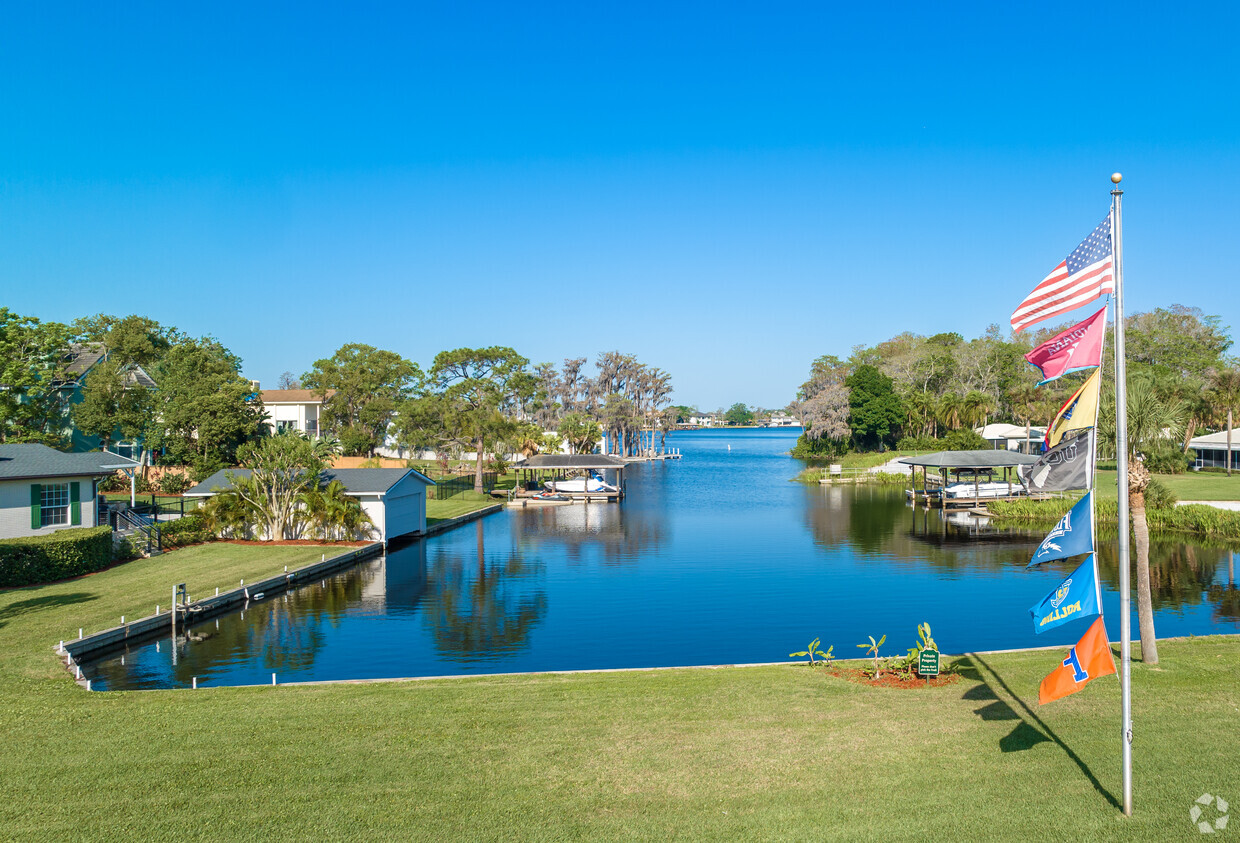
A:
[1116,178]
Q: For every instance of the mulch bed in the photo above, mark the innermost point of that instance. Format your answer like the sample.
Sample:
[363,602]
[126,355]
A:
[891,680]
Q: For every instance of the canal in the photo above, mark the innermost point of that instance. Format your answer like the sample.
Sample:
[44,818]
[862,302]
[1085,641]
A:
[713,559]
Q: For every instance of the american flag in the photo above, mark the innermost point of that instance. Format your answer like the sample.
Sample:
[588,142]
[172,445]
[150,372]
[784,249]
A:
[1083,276]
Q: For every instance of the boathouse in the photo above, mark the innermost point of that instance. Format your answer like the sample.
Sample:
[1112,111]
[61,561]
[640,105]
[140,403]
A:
[968,479]
[394,498]
[533,472]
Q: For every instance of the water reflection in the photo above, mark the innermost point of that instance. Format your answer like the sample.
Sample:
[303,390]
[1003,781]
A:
[716,558]
[484,607]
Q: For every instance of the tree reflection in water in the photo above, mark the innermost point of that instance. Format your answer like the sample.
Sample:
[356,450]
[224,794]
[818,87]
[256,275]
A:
[482,608]
[620,534]
[877,520]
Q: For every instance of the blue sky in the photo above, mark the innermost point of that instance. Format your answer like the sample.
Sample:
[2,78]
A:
[725,191]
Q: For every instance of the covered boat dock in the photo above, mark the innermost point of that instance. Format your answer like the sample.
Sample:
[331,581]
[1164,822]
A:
[968,490]
[532,473]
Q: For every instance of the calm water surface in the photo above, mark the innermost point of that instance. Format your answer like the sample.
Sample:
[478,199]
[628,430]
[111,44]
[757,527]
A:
[713,559]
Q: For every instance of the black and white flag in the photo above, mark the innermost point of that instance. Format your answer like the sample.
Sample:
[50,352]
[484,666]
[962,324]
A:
[1066,466]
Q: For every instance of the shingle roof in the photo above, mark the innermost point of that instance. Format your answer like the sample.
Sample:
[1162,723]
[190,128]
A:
[82,357]
[31,461]
[550,461]
[359,481]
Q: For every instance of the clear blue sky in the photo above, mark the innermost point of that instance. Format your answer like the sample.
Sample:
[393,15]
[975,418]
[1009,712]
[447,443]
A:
[726,192]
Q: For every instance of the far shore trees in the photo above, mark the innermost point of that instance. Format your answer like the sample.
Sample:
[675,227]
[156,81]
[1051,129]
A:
[475,391]
[362,387]
[738,414]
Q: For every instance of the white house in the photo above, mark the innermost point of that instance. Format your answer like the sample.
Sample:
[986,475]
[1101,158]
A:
[1211,449]
[394,498]
[293,409]
[1011,437]
[43,490]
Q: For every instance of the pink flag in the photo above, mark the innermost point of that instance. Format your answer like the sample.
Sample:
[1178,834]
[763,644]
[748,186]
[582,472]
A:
[1079,347]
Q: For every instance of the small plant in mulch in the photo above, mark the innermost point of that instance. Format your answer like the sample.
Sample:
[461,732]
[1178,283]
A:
[871,649]
[813,650]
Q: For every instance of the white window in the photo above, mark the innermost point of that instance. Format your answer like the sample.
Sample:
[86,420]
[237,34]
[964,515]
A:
[54,504]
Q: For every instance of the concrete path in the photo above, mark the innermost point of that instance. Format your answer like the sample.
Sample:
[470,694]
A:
[1230,506]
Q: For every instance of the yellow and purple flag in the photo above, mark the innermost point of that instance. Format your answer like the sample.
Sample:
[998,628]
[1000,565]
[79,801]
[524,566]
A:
[1079,412]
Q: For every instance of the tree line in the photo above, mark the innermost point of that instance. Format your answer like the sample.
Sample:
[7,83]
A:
[198,410]
[914,391]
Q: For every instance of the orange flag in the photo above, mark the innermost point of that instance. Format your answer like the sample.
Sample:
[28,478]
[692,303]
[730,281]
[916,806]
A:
[1089,659]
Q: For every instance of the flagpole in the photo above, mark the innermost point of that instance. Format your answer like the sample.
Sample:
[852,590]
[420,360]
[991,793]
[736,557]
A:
[1121,471]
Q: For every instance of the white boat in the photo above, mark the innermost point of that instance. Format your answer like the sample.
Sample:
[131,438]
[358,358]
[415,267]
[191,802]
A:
[984,490]
[580,484]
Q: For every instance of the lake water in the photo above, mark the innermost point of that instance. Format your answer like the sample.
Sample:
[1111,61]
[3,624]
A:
[713,559]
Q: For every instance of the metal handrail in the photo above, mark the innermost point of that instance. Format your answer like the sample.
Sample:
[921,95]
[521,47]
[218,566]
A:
[139,522]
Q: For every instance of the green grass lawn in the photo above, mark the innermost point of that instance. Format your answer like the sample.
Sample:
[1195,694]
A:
[457,505]
[1189,486]
[731,754]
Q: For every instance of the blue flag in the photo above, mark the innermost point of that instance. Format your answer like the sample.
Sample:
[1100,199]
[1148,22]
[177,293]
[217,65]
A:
[1076,597]
[1072,536]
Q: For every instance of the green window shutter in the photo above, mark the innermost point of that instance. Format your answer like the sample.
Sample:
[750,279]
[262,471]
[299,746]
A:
[36,506]
[75,504]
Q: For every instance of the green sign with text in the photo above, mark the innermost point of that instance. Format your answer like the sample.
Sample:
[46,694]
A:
[928,664]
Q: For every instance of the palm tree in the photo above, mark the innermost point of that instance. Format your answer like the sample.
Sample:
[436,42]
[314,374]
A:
[1225,393]
[1151,419]
[951,409]
[976,408]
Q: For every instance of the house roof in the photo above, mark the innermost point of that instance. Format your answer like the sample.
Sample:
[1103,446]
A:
[580,461]
[357,481]
[1216,441]
[27,462]
[1001,430]
[971,459]
[82,357]
[293,396]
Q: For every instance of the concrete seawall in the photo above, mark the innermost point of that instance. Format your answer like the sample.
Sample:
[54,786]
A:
[209,607]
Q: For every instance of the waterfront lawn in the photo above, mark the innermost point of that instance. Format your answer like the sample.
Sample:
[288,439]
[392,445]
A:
[1189,486]
[457,505]
[781,752]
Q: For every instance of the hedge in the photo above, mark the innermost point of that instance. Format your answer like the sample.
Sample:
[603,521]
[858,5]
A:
[190,529]
[31,560]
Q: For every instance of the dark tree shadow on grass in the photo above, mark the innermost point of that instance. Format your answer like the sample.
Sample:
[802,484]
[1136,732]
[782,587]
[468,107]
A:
[1030,731]
[38,604]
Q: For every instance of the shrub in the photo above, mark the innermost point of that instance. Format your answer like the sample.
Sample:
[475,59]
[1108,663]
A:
[1158,496]
[965,440]
[174,483]
[117,482]
[192,529]
[31,560]
[1166,458]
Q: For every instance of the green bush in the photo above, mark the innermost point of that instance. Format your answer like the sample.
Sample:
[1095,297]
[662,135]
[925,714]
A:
[192,529]
[818,449]
[1167,458]
[1158,496]
[31,560]
[174,483]
[965,440]
[204,467]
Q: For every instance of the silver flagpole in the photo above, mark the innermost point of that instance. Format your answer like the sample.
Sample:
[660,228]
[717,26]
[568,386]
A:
[1121,471]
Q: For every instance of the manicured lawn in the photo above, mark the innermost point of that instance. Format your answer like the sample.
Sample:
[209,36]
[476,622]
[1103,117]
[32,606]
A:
[457,505]
[1189,486]
[741,753]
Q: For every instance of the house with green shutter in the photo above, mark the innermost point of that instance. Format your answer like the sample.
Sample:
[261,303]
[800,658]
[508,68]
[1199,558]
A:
[43,490]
